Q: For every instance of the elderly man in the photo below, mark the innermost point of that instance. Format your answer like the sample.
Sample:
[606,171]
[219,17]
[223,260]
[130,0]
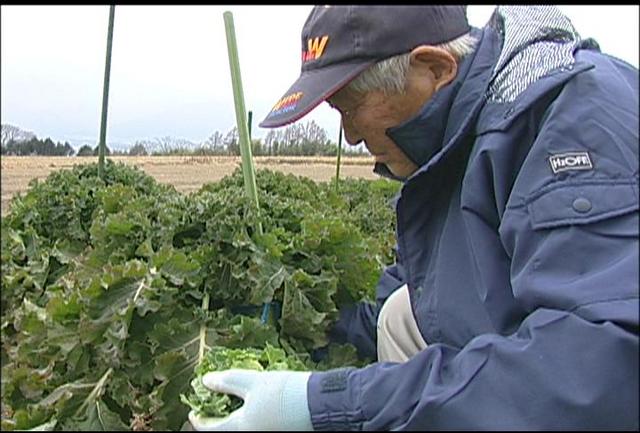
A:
[513,303]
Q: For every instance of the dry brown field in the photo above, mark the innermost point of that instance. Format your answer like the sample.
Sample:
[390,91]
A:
[185,173]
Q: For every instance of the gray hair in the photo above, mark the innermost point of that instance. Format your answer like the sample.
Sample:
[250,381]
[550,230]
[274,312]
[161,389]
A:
[389,75]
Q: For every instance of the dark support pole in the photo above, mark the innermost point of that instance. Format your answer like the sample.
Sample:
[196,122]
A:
[339,154]
[105,95]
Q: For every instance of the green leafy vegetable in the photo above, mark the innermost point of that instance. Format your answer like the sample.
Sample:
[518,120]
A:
[214,404]
[118,293]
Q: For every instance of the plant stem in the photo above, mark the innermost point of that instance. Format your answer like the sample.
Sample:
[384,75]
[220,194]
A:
[203,329]
[95,392]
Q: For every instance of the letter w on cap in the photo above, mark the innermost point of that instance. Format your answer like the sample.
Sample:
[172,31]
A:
[315,48]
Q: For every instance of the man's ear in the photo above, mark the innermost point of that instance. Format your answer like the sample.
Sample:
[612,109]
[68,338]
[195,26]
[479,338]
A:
[438,63]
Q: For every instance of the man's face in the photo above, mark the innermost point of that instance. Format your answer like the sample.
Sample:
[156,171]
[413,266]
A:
[366,117]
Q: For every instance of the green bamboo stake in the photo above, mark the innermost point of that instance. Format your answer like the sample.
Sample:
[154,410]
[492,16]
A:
[238,96]
[105,94]
[244,131]
[339,153]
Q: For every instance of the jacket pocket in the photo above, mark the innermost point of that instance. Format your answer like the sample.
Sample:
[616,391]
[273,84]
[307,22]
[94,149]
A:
[582,203]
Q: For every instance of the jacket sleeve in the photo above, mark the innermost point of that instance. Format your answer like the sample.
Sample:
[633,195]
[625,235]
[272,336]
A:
[357,323]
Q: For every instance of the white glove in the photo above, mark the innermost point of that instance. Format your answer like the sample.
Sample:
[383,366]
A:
[273,400]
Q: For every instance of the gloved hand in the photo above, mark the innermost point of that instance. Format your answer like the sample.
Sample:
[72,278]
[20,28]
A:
[273,400]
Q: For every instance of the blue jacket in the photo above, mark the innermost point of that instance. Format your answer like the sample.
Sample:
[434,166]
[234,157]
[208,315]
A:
[518,239]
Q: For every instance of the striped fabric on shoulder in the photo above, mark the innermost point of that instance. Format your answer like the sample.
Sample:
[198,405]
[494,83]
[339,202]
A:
[536,40]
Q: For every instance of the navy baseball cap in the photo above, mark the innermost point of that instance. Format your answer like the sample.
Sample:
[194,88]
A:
[339,42]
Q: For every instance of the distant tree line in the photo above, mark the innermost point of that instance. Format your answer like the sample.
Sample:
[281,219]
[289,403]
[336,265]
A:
[16,141]
[35,146]
[297,139]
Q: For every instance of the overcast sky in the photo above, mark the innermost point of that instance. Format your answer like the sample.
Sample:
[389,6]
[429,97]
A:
[170,70]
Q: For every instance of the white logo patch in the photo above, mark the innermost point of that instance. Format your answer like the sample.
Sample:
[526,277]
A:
[570,161]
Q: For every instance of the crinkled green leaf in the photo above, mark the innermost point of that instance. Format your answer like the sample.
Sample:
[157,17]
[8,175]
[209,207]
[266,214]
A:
[177,267]
[175,347]
[214,404]
[96,417]
[65,250]
[47,426]
[307,308]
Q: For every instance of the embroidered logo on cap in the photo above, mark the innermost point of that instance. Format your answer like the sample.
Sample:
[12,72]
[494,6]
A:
[315,48]
[286,103]
[570,161]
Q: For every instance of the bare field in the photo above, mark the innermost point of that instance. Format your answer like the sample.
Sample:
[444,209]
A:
[185,173]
